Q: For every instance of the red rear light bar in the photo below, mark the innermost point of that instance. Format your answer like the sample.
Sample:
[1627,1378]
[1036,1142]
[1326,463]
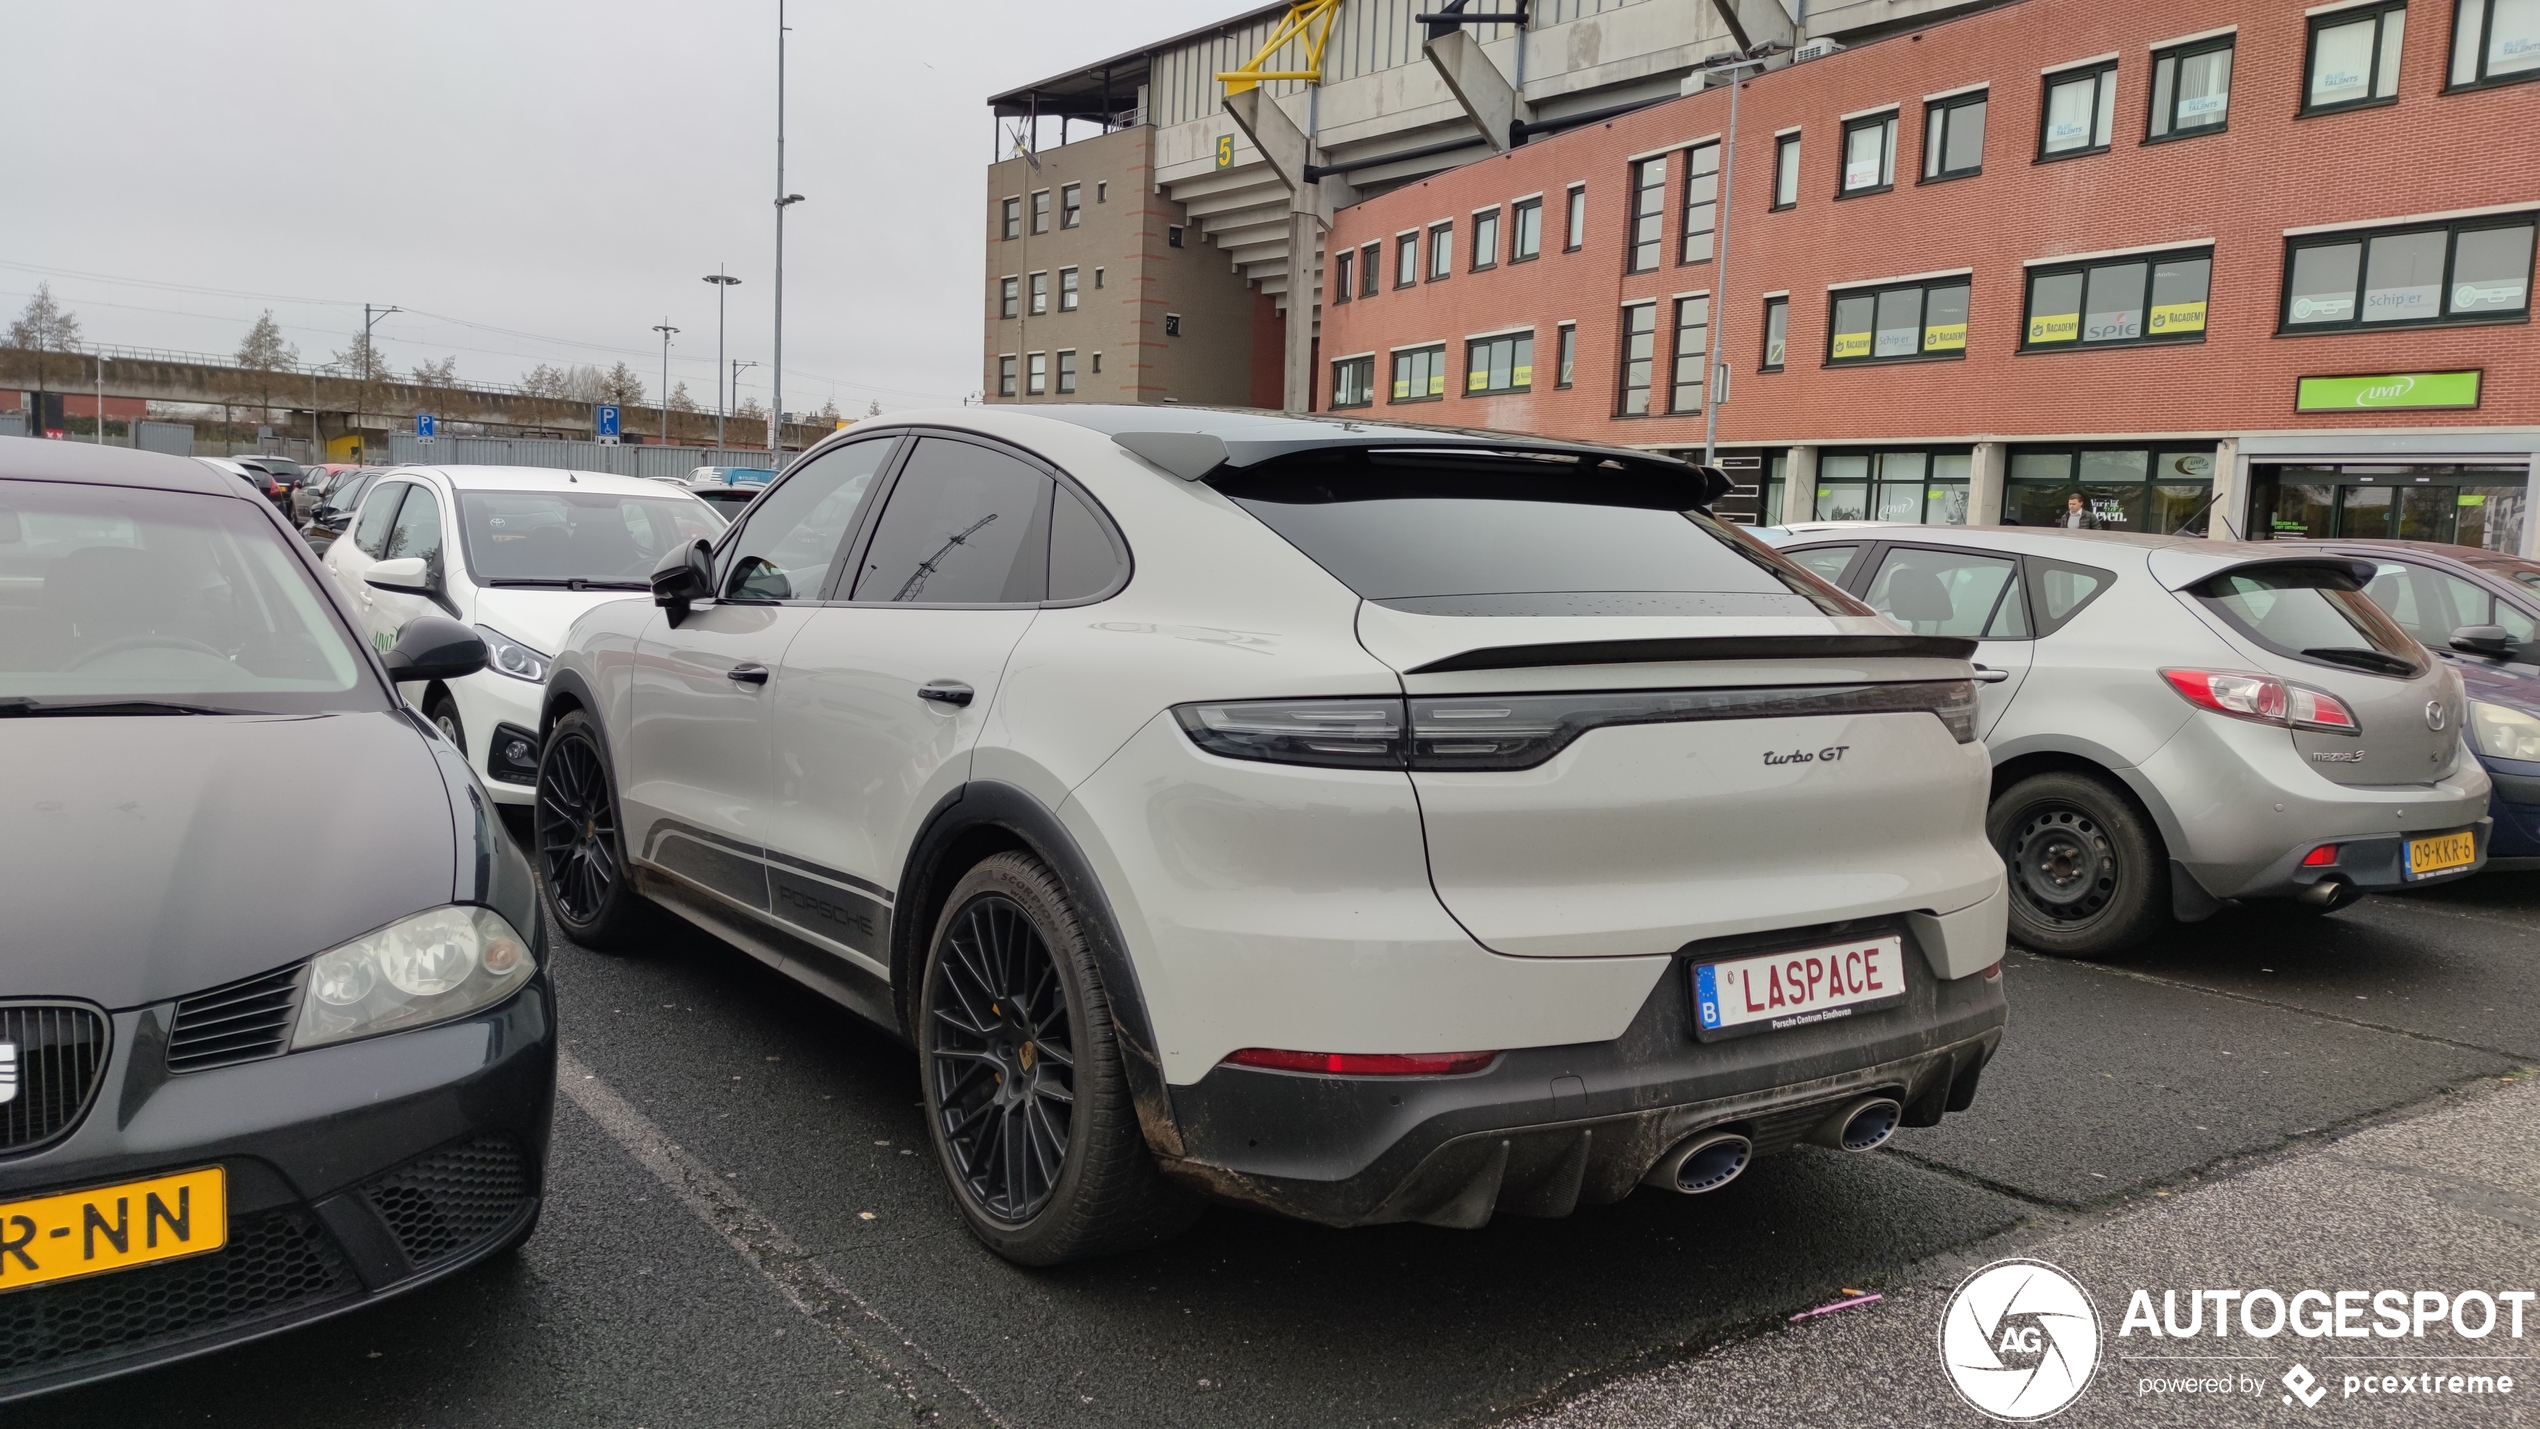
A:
[1365,1064]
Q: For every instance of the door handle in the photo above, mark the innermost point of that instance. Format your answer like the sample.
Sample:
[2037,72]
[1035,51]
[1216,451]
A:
[747,674]
[1987,675]
[947,692]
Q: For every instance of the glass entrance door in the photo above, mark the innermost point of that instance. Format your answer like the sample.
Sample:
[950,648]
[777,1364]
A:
[2452,505]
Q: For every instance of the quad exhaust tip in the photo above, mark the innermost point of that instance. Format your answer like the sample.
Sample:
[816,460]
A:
[1863,1125]
[1703,1163]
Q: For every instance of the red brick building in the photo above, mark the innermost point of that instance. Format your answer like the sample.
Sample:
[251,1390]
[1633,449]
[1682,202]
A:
[2154,254]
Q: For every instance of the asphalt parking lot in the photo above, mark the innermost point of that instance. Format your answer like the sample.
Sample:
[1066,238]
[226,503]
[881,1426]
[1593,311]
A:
[746,1226]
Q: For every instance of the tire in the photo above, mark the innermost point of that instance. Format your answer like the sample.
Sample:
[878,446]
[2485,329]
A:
[444,714]
[579,846]
[2087,870]
[1026,1099]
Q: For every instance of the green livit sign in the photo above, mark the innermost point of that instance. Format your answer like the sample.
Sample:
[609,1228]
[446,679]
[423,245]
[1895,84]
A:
[2389,390]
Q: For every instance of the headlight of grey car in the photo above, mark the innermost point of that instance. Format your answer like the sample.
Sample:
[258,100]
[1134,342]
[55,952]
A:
[2502,733]
[506,656]
[428,968]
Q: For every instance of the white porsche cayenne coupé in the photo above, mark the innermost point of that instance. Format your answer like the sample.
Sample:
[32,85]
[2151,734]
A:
[1366,823]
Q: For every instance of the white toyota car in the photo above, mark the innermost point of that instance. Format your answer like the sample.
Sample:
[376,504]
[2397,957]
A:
[1362,822]
[517,552]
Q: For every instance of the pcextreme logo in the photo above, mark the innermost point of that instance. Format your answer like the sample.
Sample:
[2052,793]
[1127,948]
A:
[2020,1340]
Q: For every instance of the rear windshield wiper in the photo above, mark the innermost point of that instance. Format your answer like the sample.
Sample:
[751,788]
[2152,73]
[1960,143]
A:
[2357,658]
[569,583]
[20,705]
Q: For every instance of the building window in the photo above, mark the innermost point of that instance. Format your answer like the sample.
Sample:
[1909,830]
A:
[1577,235]
[1505,363]
[1925,487]
[2109,489]
[1097,356]
[1354,382]
[1640,345]
[1568,355]
[2154,298]
[1525,233]
[1786,171]
[1693,338]
[1172,324]
[2494,42]
[2474,270]
[1370,269]
[1173,235]
[1702,202]
[1041,211]
[1037,374]
[1009,297]
[1066,371]
[1005,375]
[1869,155]
[1011,225]
[1097,277]
[1441,250]
[1406,260]
[1102,194]
[2191,89]
[1953,137]
[1908,322]
[2081,112]
[1342,276]
[1419,374]
[2354,58]
[1040,293]
[1067,290]
[1649,214]
[1776,334]
[1486,239]
[1071,205]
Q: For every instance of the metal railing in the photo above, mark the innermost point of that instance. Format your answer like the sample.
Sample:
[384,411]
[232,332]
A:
[658,462]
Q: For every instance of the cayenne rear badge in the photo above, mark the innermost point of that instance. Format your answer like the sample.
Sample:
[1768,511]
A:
[8,1072]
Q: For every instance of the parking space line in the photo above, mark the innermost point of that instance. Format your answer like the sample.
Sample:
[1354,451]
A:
[806,1284]
[2293,1007]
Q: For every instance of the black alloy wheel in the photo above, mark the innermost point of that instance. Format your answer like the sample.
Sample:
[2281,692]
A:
[1001,1052]
[2085,867]
[580,854]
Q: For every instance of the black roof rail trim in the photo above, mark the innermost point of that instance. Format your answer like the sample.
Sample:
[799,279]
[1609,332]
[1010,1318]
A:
[1704,647]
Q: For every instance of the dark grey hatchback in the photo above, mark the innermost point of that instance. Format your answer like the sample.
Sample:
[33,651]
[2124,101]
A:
[275,1035]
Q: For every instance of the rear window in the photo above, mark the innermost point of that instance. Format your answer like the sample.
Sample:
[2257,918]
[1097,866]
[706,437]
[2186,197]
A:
[2318,614]
[1465,533]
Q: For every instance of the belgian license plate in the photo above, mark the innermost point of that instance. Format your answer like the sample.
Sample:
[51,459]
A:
[2441,853]
[112,1227]
[1773,991]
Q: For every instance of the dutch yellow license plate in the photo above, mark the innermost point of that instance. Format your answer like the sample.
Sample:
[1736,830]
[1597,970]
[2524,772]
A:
[2440,853]
[112,1227]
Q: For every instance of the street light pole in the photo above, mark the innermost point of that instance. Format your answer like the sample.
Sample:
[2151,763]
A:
[1720,272]
[737,364]
[784,200]
[723,284]
[369,358]
[665,329]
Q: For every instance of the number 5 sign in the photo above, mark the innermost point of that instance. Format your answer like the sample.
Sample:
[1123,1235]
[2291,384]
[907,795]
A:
[1225,151]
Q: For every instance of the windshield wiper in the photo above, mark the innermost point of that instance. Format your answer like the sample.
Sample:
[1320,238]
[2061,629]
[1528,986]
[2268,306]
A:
[569,583]
[21,705]
[2357,658]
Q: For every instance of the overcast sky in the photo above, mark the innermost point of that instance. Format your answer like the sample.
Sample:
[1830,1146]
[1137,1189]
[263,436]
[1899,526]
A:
[545,181]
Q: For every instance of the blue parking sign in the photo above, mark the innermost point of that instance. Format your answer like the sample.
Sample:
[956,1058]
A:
[426,425]
[604,420]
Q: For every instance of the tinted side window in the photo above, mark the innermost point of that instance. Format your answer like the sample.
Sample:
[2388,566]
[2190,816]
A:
[1082,561]
[2063,590]
[1951,593]
[965,526]
[418,528]
[1827,563]
[379,513]
[789,545]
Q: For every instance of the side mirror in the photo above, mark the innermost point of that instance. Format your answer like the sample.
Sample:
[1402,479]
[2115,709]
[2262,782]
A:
[2483,640]
[408,573]
[433,647]
[683,578]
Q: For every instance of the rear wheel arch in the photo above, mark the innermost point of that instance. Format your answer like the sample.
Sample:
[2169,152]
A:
[977,822]
[2147,801]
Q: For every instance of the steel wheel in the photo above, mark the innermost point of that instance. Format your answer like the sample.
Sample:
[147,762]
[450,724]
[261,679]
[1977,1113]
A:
[1001,1050]
[2062,864]
[577,829]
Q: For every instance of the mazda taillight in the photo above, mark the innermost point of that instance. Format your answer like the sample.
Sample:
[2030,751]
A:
[2263,699]
[1364,1064]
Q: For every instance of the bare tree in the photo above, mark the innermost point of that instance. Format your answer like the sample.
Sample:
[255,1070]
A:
[437,374]
[362,361]
[545,380]
[680,401]
[828,415]
[622,386]
[873,408]
[264,350]
[44,327]
[751,409]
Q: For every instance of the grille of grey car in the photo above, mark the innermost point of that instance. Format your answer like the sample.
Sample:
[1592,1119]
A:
[238,1022]
[52,1055]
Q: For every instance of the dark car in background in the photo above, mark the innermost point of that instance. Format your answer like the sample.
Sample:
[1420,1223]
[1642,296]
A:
[334,509]
[231,1108]
[2480,611]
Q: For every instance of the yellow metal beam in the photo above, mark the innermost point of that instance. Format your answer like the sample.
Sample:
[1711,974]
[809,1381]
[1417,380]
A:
[1301,23]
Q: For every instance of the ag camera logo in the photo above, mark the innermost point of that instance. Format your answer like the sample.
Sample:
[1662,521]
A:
[2020,1340]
